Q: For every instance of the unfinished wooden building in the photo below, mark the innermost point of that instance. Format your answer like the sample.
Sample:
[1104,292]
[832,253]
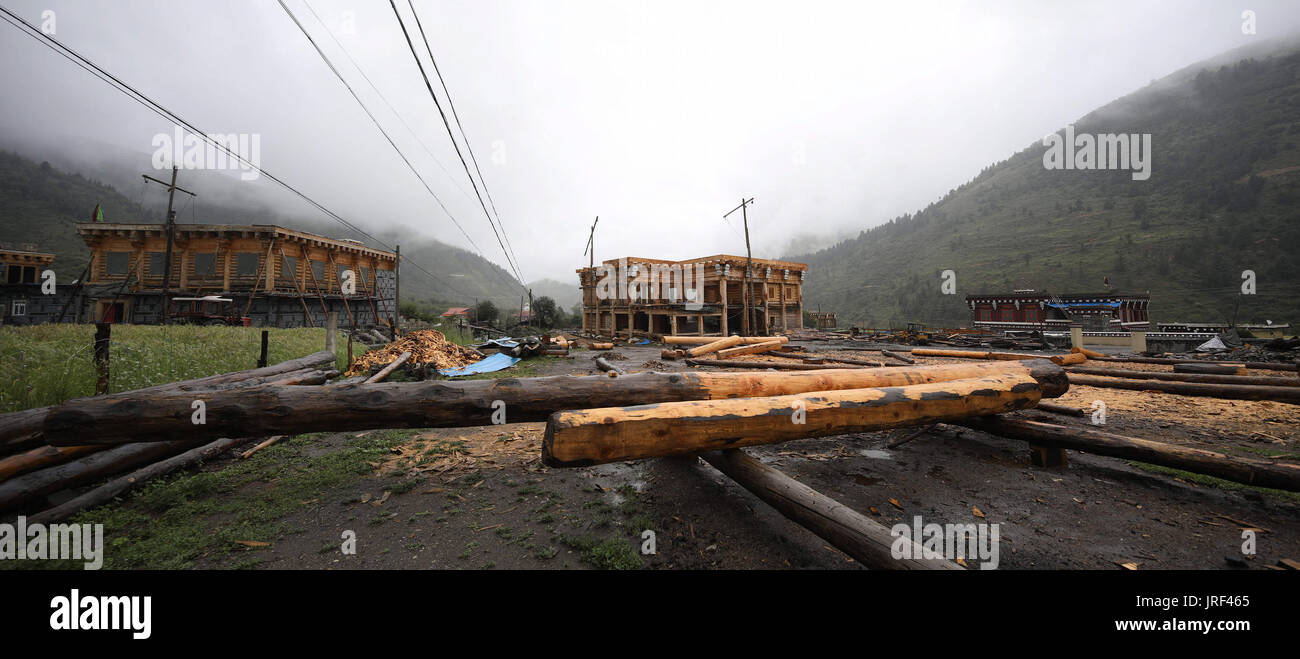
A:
[635,295]
[277,277]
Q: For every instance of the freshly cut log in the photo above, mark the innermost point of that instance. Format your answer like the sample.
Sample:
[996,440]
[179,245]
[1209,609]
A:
[700,340]
[868,542]
[388,370]
[578,438]
[21,430]
[669,353]
[1090,354]
[1239,470]
[902,358]
[856,362]
[451,403]
[1263,366]
[1211,369]
[715,346]
[602,346]
[752,349]
[1232,391]
[40,458]
[1187,377]
[604,365]
[24,489]
[115,488]
[1072,358]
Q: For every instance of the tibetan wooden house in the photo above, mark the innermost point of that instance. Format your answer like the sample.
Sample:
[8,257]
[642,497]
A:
[22,301]
[1043,311]
[700,296]
[277,277]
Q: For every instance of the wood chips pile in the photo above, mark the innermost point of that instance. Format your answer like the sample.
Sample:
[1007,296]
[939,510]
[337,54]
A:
[425,346]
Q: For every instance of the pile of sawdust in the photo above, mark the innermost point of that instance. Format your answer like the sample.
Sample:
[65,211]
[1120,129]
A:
[426,347]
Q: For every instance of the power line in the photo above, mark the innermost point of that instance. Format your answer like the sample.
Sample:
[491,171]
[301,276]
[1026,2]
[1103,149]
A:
[455,115]
[428,85]
[130,92]
[375,121]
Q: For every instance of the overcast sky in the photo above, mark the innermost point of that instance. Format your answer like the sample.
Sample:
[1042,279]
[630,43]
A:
[657,116]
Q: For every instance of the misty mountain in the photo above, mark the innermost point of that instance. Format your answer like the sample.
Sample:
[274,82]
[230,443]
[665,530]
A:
[565,294]
[40,203]
[1221,199]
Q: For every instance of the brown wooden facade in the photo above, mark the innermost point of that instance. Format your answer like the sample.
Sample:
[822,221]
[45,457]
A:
[776,302]
[244,262]
[21,298]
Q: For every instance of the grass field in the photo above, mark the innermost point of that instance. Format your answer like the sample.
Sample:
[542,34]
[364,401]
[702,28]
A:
[48,364]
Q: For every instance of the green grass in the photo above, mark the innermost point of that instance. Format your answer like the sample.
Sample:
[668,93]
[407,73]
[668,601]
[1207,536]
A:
[48,364]
[172,523]
[610,554]
[1211,481]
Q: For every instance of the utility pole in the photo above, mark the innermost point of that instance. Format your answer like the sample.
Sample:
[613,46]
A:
[171,239]
[530,308]
[591,271]
[397,292]
[749,264]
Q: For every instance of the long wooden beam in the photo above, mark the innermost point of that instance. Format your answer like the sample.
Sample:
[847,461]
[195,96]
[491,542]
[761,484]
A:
[1261,473]
[1232,391]
[579,438]
[1185,377]
[24,429]
[451,403]
[1264,366]
[868,542]
[702,340]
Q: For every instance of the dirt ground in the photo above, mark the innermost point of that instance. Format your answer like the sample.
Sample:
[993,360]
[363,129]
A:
[479,498]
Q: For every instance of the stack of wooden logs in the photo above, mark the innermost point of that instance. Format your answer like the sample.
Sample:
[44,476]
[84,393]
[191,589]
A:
[31,468]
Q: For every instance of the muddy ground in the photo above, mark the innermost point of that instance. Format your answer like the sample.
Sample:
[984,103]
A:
[479,498]
[491,504]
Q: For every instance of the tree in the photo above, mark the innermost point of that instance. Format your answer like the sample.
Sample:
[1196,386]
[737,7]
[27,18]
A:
[485,312]
[545,312]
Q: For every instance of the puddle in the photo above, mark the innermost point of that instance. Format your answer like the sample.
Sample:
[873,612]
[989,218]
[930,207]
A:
[876,453]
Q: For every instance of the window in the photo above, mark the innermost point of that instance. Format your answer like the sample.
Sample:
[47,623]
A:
[246,264]
[116,262]
[19,308]
[289,267]
[157,263]
[29,274]
[984,314]
[318,271]
[1008,315]
[205,264]
[1031,315]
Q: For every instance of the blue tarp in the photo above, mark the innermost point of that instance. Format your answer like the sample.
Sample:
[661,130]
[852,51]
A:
[492,363]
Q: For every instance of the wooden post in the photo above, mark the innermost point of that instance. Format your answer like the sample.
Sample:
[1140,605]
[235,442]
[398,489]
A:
[331,326]
[397,293]
[297,285]
[869,543]
[103,332]
[722,291]
[261,360]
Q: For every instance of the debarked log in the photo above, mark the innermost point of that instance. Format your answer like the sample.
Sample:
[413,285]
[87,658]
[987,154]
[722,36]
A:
[1232,391]
[1260,473]
[868,542]
[450,403]
[578,438]
[704,340]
